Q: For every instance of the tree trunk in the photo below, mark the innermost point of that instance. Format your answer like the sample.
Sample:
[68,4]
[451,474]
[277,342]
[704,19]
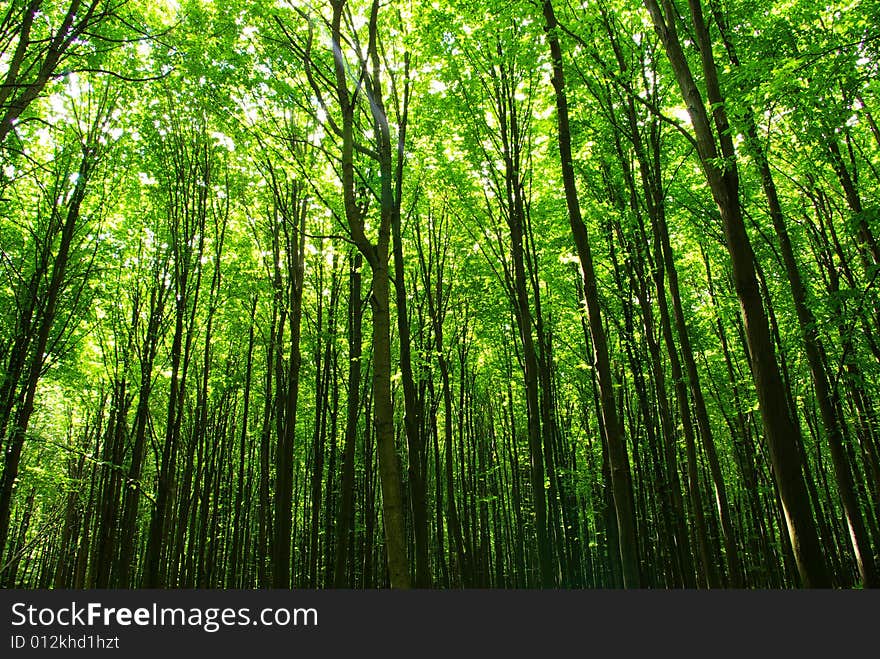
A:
[621,479]
[779,427]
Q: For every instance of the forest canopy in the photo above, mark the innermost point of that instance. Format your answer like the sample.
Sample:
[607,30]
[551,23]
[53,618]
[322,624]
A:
[509,294]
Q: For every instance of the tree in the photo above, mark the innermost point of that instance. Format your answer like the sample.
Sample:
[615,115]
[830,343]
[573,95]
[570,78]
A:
[723,179]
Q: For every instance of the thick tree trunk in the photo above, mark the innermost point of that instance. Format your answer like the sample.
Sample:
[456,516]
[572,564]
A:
[779,427]
[826,397]
[389,464]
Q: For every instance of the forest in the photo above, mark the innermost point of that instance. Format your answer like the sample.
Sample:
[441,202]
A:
[390,294]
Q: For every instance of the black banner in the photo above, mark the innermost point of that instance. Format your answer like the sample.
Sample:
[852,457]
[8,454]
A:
[457,623]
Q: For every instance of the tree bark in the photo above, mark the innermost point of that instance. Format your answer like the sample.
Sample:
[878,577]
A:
[723,179]
[621,479]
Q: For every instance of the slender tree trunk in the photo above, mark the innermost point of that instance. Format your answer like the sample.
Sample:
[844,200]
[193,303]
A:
[294,210]
[346,506]
[621,478]
[18,433]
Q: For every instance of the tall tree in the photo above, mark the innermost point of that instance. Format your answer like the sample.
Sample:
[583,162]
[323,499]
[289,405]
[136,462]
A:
[621,478]
[718,158]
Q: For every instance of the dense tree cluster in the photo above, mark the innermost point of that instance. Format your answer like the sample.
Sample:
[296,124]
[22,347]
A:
[352,293]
